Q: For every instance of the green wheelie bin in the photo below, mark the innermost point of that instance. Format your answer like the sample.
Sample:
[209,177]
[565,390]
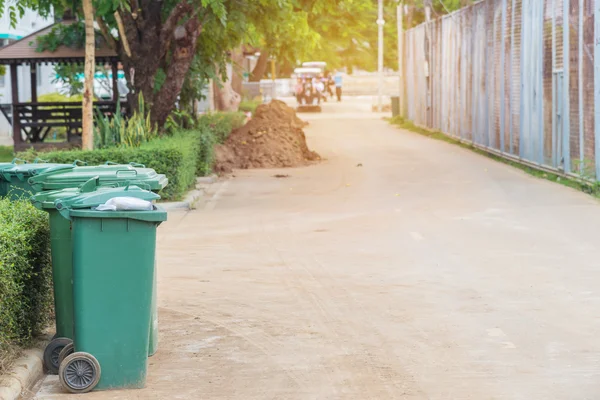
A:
[109,174]
[113,272]
[61,252]
[7,165]
[15,180]
[61,246]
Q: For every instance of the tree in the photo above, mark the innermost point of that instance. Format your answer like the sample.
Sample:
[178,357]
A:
[87,134]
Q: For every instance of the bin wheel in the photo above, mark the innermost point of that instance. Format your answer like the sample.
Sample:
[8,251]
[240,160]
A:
[79,372]
[65,352]
[52,352]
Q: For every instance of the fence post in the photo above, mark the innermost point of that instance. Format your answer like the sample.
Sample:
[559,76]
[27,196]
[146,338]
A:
[580,67]
[597,85]
[512,52]
[503,78]
[565,112]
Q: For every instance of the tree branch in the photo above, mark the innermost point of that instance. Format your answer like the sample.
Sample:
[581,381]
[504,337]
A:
[171,23]
[122,34]
[110,40]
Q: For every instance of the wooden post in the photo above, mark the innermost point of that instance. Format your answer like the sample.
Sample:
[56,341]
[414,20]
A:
[115,77]
[33,73]
[16,122]
[87,106]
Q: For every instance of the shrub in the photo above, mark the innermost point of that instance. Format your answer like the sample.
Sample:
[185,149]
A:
[124,132]
[221,124]
[175,156]
[25,274]
[249,105]
[6,153]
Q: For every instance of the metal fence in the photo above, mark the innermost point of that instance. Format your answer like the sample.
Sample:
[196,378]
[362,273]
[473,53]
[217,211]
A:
[513,76]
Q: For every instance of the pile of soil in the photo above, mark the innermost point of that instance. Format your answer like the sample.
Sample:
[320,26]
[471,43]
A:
[273,138]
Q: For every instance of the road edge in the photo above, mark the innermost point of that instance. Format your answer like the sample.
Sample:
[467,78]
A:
[24,374]
[193,196]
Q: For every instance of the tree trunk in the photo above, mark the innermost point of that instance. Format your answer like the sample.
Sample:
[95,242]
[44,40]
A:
[185,37]
[87,133]
[261,67]
[411,13]
[225,98]
[237,63]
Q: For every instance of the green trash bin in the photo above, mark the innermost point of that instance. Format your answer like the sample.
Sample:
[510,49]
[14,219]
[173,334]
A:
[109,174]
[113,272]
[3,166]
[16,179]
[62,269]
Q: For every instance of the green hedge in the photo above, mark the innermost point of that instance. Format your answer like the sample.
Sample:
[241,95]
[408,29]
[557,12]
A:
[181,157]
[25,274]
[6,153]
[175,156]
[220,124]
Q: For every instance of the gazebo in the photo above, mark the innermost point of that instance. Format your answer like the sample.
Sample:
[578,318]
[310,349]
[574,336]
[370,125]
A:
[32,122]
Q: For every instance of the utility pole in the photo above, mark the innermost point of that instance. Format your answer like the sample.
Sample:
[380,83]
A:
[400,18]
[380,23]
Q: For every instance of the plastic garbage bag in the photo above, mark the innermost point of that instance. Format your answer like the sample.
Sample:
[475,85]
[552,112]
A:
[126,204]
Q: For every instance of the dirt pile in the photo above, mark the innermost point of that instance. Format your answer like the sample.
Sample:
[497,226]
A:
[273,138]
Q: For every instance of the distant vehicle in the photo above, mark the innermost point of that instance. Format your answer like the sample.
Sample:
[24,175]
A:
[309,88]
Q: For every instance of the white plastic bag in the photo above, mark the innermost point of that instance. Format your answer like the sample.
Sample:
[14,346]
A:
[126,204]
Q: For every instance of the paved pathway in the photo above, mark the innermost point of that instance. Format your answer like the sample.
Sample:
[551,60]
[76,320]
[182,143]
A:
[429,272]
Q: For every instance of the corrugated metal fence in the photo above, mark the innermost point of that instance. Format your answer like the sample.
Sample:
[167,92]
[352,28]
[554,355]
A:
[513,76]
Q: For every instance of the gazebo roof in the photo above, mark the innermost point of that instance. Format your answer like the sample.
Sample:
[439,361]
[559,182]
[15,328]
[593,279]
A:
[24,51]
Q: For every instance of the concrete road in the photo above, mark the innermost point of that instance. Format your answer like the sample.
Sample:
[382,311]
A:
[399,268]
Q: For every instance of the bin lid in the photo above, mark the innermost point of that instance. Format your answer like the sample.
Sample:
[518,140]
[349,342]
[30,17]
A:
[13,163]
[47,199]
[26,170]
[118,174]
[156,215]
[92,195]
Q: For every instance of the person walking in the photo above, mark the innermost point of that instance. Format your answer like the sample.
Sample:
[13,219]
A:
[338,85]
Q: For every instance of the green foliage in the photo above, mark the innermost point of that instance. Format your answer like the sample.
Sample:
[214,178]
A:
[220,124]
[116,131]
[249,105]
[72,36]
[58,98]
[6,153]
[67,75]
[25,273]
[173,156]
[61,132]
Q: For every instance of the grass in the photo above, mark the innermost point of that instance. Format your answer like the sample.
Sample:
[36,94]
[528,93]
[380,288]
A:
[6,153]
[586,186]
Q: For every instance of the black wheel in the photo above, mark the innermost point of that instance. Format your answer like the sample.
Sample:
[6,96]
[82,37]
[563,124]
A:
[79,372]
[52,352]
[65,352]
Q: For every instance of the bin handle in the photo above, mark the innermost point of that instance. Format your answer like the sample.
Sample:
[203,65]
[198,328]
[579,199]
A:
[111,163]
[14,160]
[126,172]
[137,165]
[79,162]
[141,185]
[39,160]
[90,185]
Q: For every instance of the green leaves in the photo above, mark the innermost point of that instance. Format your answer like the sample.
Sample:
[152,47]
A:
[25,273]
